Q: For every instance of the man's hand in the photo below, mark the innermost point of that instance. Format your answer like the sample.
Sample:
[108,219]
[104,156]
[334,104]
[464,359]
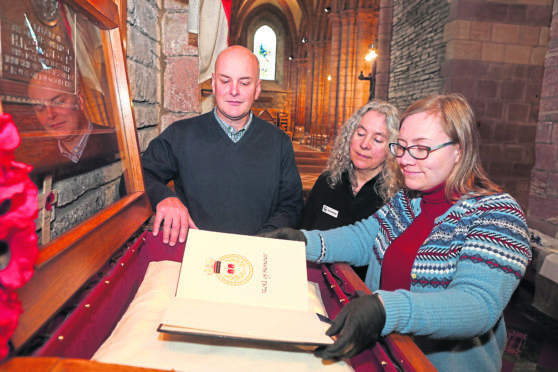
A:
[358,326]
[285,233]
[176,221]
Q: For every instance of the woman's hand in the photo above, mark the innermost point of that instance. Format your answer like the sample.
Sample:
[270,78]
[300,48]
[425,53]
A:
[358,326]
[285,233]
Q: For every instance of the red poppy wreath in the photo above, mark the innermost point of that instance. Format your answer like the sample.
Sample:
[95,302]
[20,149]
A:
[18,239]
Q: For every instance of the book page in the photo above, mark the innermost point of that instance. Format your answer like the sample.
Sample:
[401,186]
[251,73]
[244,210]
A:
[246,270]
[247,322]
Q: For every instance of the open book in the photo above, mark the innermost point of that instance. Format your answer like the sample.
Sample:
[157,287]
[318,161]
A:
[244,287]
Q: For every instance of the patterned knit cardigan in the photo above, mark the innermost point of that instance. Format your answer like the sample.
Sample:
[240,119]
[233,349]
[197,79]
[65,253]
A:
[463,276]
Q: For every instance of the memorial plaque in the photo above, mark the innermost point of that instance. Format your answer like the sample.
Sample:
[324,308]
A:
[53,83]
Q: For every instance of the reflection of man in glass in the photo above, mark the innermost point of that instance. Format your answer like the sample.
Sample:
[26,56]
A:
[60,113]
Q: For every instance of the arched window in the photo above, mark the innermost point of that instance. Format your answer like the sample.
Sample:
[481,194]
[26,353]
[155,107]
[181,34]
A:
[265,48]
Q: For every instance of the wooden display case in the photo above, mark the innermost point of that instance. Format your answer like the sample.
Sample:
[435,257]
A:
[77,46]
[74,50]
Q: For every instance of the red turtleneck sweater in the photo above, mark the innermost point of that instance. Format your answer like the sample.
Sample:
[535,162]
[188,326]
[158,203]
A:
[400,256]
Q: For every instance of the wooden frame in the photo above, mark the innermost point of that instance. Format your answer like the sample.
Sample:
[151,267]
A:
[65,263]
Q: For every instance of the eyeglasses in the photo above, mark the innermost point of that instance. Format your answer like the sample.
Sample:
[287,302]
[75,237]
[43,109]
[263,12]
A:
[418,152]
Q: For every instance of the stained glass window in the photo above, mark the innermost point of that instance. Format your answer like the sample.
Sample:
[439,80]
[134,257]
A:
[265,48]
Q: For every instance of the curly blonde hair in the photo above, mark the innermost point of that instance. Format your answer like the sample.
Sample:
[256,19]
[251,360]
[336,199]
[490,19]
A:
[340,157]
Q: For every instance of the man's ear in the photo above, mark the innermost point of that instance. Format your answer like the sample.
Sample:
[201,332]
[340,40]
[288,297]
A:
[213,82]
[258,89]
[80,100]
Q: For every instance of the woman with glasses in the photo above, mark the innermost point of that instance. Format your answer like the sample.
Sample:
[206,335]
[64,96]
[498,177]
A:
[361,175]
[445,254]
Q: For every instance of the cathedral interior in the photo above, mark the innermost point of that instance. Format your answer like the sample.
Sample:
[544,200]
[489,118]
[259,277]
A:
[321,60]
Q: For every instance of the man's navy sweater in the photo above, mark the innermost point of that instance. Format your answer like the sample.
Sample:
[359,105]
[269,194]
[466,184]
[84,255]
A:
[245,187]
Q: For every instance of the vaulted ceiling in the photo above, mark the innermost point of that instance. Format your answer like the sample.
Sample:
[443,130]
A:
[292,10]
[300,18]
[297,18]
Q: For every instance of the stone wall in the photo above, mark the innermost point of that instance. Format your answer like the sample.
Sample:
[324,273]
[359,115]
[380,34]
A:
[495,57]
[492,52]
[417,50]
[80,197]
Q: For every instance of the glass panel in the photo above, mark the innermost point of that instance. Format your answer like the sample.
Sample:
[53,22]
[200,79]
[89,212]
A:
[53,81]
[265,45]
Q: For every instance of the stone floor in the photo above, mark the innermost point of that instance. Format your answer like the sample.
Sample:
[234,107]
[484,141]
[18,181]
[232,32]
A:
[316,161]
[532,336]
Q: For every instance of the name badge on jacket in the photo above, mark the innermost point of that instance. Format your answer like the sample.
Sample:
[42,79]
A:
[328,210]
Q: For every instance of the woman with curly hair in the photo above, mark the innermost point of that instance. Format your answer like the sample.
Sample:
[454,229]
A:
[361,175]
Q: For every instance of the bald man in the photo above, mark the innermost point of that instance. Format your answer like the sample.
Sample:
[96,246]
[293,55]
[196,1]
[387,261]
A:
[232,171]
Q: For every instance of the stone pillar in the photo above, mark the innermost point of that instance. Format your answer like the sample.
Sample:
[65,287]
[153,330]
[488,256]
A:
[322,89]
[294,86]
[543,194]
[316,91]
[309,78]
[334,58]
[385,20]
[326,107]
[366,32]
[334,83]
[346,61]
[181,92]
[143,52]
[299,91]
[353,30]
[318,120]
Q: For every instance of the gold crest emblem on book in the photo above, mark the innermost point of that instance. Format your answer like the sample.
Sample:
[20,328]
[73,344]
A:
[231,269]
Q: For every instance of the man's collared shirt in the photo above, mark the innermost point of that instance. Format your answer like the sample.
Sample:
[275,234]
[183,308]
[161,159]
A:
[77,151]
[233,134]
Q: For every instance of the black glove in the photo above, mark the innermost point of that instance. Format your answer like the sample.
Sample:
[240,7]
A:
[358,326]
[285,233]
